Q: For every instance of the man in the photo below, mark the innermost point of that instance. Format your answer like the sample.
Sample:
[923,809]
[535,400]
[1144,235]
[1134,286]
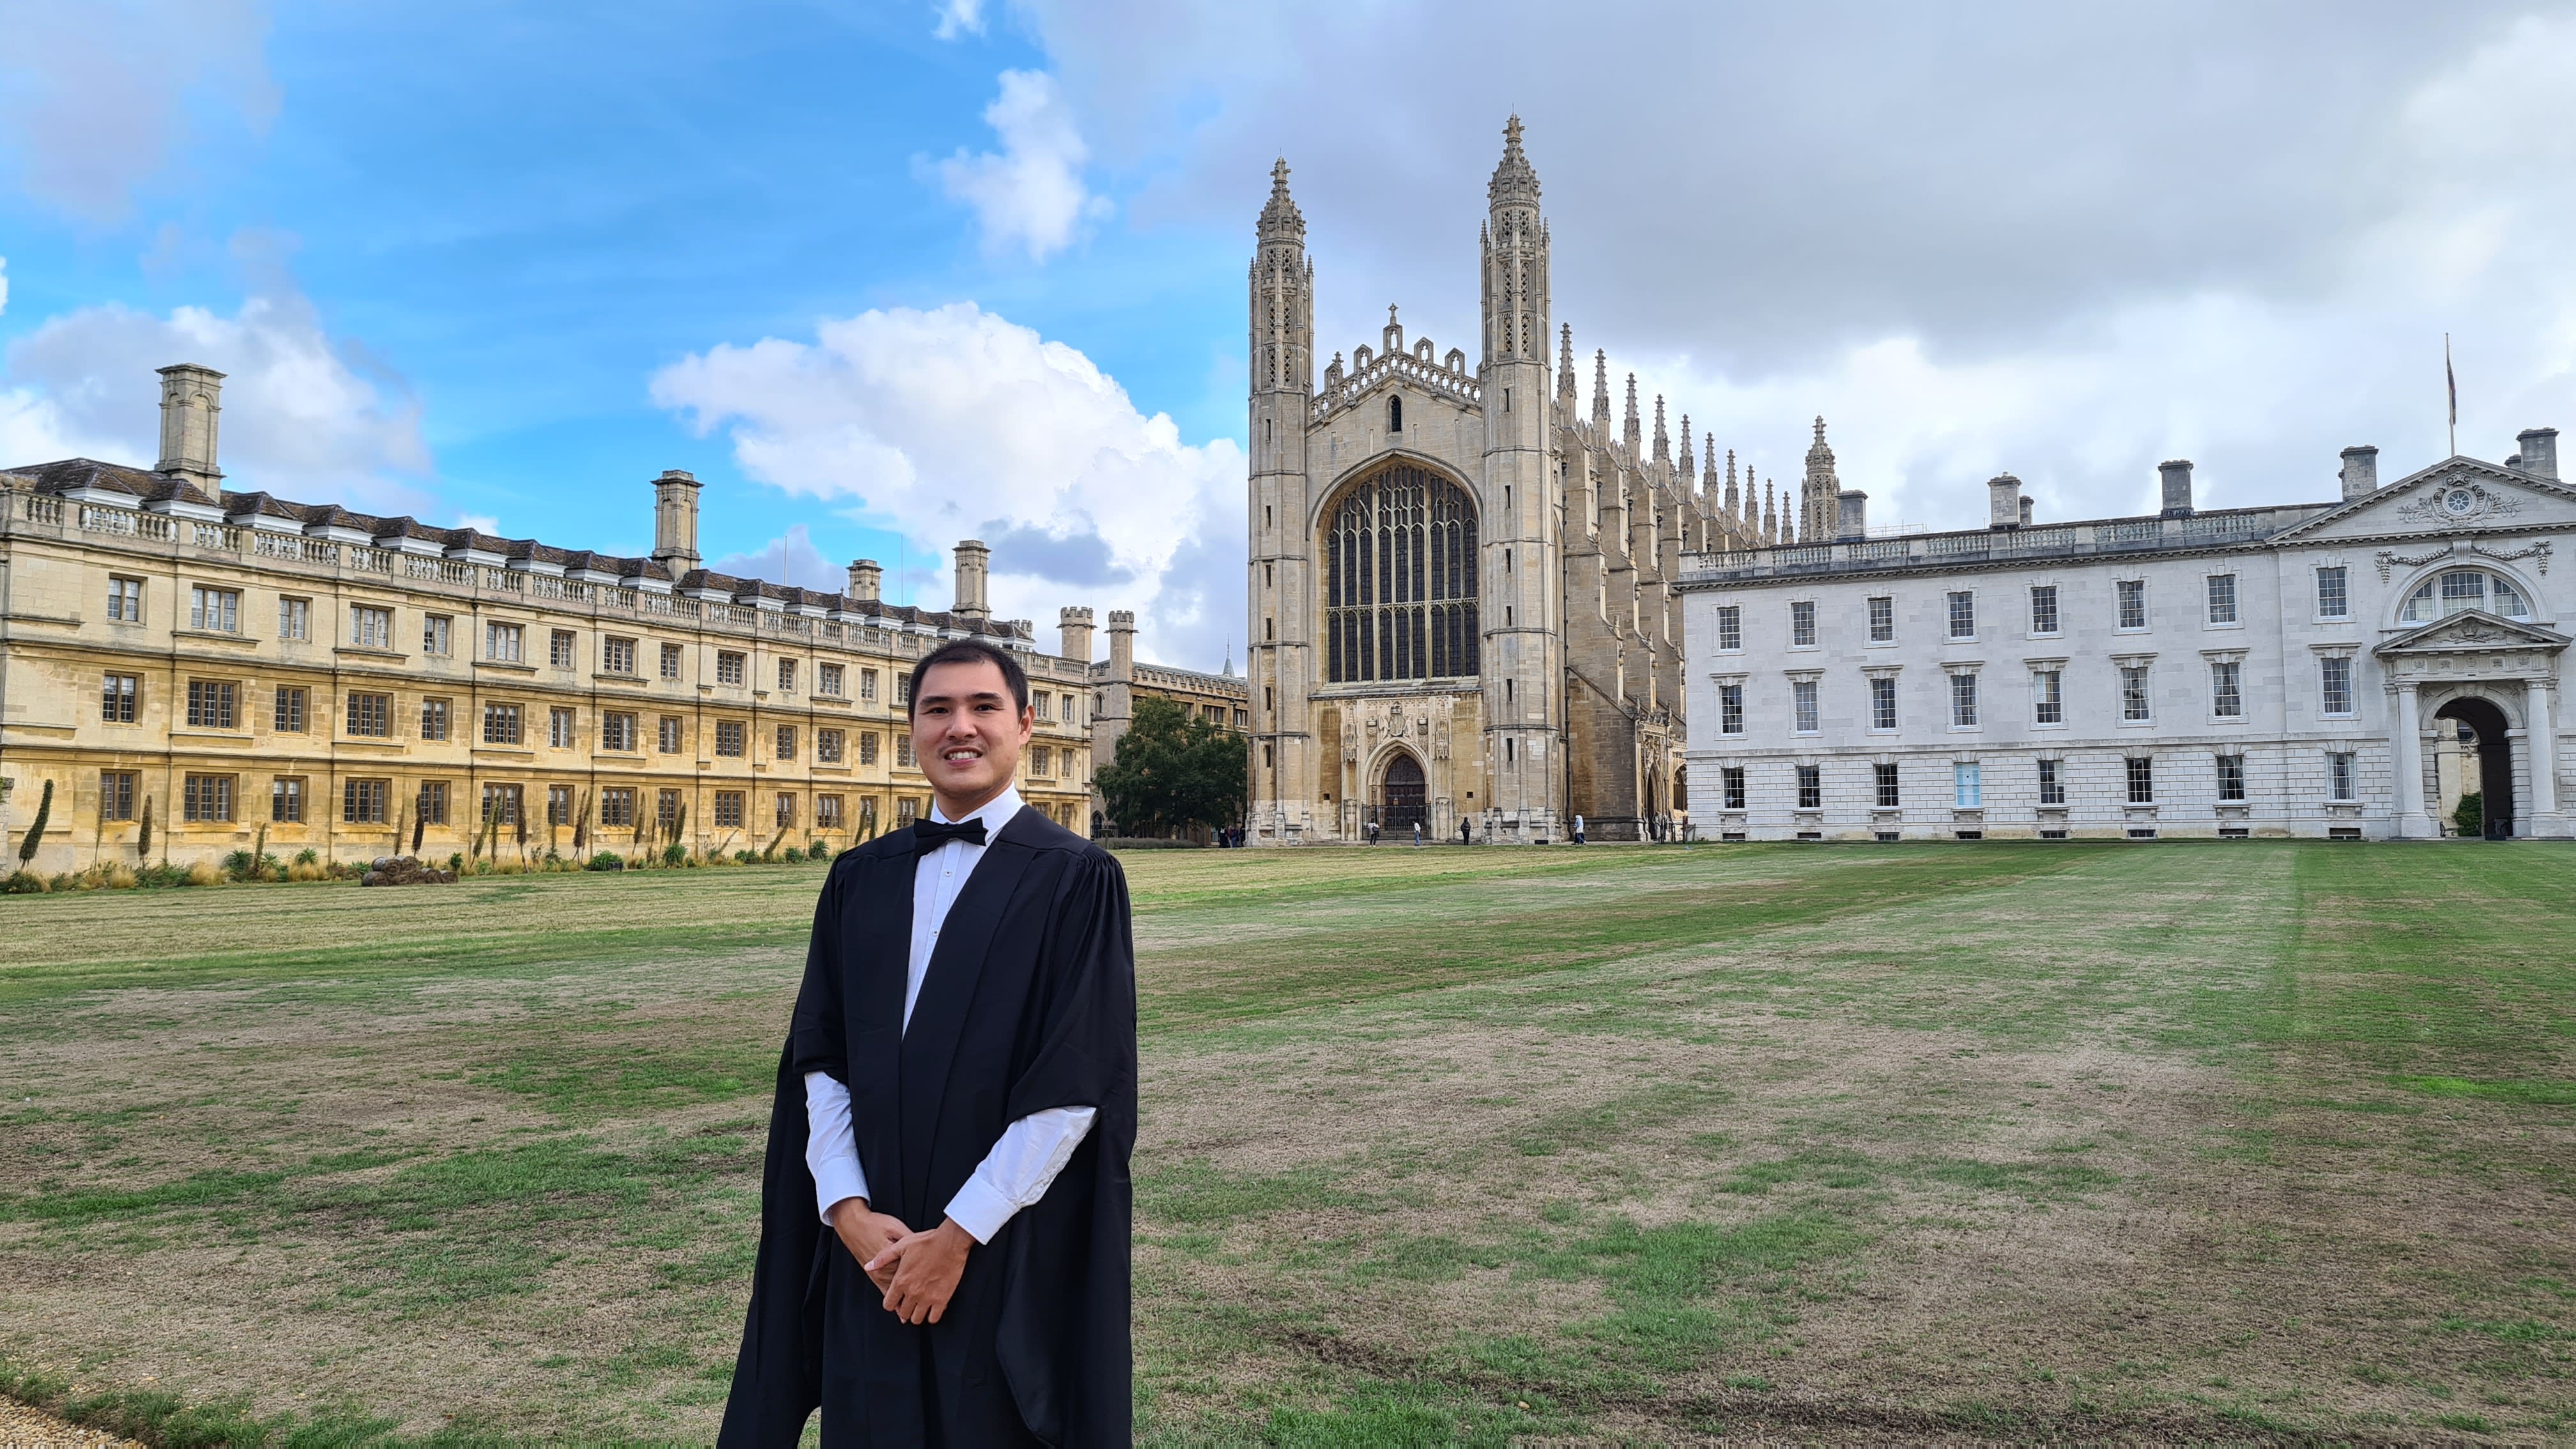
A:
[945,1211]
[1578,829]
[1462,830]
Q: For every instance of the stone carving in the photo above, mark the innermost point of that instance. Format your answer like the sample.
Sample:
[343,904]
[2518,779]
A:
[2457,502]
[2386,557]
[2539,551]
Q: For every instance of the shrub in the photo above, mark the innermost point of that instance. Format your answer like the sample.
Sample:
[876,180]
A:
[308,856]
[2469,817]
[120,878]
[792,855]
[241,865]
[456,862]
[36,831]
[746,857]
[675,854]
[606,860]
[306,868]
[23,883]
[205,874]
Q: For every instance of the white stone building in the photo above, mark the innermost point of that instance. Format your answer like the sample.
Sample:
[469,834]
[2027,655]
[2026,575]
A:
[2310,670]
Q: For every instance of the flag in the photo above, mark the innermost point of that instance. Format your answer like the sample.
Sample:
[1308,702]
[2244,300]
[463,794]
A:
[2450,379]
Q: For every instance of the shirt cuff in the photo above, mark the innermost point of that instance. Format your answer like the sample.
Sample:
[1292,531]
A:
[835,1179]
[981,1209]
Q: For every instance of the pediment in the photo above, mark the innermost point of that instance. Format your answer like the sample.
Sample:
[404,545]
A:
[2453,496]
[2473,631]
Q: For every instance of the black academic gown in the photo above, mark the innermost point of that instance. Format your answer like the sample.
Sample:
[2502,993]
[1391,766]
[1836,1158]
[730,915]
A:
[1029,1003]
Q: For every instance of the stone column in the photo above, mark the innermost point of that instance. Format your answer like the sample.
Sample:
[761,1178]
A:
[2406,742]
[2540,698]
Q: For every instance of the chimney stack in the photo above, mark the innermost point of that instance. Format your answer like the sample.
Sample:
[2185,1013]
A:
[2003,501]
[974,563]
[1075,625]
[1851,515]
[675,521]
[2025,510]
[2539,451]
[2360,473]
[192,401]
[2177,479]
[866,580]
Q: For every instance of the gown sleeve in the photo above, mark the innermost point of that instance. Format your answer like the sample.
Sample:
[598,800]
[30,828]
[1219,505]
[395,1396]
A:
[1064,1339]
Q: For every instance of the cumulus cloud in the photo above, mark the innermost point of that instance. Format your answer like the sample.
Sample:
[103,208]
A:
[960,17]
[1030,194]
[96,96]
[2065,241]
[790,558]
[306,415]
[957,423]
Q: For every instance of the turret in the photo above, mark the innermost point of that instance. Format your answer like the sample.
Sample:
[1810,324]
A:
[866,580]
[1073,627]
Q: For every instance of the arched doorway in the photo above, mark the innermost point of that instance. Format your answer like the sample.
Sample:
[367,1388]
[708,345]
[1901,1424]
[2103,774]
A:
[1681,788]
[1402,801]
[2481,718]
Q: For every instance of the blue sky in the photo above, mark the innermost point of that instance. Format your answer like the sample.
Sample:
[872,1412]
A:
[888,275]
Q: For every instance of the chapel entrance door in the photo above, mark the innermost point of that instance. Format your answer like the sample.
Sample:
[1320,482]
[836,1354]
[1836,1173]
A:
[1403,800]
[2481,718]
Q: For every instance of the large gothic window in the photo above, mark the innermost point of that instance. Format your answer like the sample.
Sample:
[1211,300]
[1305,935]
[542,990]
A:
[1400,580]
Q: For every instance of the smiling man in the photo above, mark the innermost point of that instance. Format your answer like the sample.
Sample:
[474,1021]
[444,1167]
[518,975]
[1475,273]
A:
[944,1216]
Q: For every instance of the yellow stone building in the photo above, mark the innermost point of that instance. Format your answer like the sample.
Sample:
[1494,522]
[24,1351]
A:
[227,661]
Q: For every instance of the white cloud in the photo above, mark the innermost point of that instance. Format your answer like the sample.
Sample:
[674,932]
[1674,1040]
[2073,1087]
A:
[789,559]
[1030,194]
[97,95]
[305,416]
[957,423]
[480,523]
[960,17]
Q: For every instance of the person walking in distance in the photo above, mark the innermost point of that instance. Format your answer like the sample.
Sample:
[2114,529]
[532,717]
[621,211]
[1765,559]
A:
[1578,829]
[945,1211]
[1462,831]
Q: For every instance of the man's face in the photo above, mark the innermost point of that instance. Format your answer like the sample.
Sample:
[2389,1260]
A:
[967,731]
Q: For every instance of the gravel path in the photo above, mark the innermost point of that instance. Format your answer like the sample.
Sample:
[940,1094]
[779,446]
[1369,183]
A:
[25,1428]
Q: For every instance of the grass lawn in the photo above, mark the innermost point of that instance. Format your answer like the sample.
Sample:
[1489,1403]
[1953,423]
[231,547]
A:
[2221,1141]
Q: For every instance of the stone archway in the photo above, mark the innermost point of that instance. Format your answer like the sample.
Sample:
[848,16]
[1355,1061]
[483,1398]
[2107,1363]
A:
[1403,795]
[2494,747]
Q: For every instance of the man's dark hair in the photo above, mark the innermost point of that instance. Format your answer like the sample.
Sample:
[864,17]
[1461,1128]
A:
[968,651]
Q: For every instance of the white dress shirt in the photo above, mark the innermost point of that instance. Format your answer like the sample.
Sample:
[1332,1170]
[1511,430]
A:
[1032,1150]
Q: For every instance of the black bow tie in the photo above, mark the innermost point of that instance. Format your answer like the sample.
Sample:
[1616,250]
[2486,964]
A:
[931,834]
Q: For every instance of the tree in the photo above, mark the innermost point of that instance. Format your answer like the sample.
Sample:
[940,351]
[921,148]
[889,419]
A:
[36,832]
[1174,771]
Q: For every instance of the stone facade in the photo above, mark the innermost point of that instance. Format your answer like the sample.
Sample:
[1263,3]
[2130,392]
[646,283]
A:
[2341,670]
[231,661]
[1118,681]
[1461,586]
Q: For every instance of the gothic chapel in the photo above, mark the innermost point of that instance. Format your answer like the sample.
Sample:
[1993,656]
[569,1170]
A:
[1462,601]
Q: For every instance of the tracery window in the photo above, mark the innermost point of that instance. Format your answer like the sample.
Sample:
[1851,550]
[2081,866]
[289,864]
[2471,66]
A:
[1400,580]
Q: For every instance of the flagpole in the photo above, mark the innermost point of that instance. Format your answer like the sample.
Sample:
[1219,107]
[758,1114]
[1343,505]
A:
[2451,384]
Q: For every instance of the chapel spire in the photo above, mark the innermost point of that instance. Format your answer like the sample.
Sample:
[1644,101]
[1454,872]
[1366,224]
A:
[1629,428]
[1565,388]
[1601,392]
[1734,505]
[1688,464]
[1820,494]
[1663,443]
[1281,219]
[1283,295]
